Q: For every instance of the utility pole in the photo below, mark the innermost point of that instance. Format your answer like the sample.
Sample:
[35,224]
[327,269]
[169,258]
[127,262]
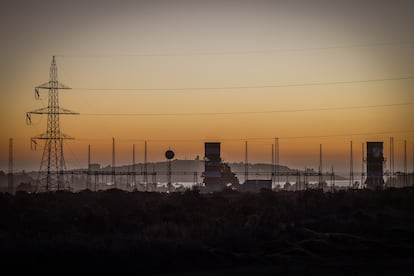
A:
[277,159]
[154,175]
[52,165]
[305,179]
[362,165]
[405,164]
[134,171]
[88,179]
[391,172]
[246,164]
[10,176]
[320,168]
[145,167]
[351,168]
[113,163]
[273,165]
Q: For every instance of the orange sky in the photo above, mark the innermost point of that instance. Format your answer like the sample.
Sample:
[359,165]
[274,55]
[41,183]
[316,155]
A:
[184,44]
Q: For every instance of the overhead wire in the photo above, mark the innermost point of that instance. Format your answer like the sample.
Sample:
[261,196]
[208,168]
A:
[250,112]
[253,138]
[242,52]
[248,86]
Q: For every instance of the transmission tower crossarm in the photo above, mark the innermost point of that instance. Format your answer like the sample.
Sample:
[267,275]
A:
[45,136]
[60,110]
[52,84]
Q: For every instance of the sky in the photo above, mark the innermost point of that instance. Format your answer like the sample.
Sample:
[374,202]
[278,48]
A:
[179,73]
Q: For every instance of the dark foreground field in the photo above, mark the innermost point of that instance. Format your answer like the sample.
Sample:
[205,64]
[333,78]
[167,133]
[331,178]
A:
[228,233]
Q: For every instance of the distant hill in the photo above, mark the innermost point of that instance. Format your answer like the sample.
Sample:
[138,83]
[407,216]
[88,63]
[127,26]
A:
[182,171]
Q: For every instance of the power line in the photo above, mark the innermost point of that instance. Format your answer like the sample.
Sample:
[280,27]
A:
[246,87]
[249,112]
[222,53]
[348,135]
[255,138]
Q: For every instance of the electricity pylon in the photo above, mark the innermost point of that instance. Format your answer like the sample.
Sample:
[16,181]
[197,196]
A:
[52,166]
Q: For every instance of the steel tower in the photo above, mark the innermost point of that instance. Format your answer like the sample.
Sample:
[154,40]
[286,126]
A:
[52,166]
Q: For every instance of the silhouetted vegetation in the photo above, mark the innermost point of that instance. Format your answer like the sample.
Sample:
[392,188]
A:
[234,233]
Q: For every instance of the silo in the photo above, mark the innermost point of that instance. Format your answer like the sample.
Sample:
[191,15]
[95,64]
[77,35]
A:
[375,161]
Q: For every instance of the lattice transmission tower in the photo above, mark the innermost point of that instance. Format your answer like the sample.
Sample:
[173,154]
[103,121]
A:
[52,167]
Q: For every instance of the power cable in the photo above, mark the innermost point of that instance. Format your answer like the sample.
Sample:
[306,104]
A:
[222,53]
[249,112]
[254,138]
[247,87]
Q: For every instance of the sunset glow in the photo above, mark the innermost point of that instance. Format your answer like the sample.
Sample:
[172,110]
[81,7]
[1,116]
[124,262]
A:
[210,68]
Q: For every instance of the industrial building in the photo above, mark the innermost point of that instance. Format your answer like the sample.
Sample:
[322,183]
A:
[255,185]
[375,162]
[217,175]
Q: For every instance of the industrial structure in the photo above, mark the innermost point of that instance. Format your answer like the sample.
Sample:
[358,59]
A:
[255,185]
[375,163]
[169,154]
[216,173]
[52,166]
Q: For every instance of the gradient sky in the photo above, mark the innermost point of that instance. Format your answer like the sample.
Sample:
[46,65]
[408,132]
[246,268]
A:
[176,44]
